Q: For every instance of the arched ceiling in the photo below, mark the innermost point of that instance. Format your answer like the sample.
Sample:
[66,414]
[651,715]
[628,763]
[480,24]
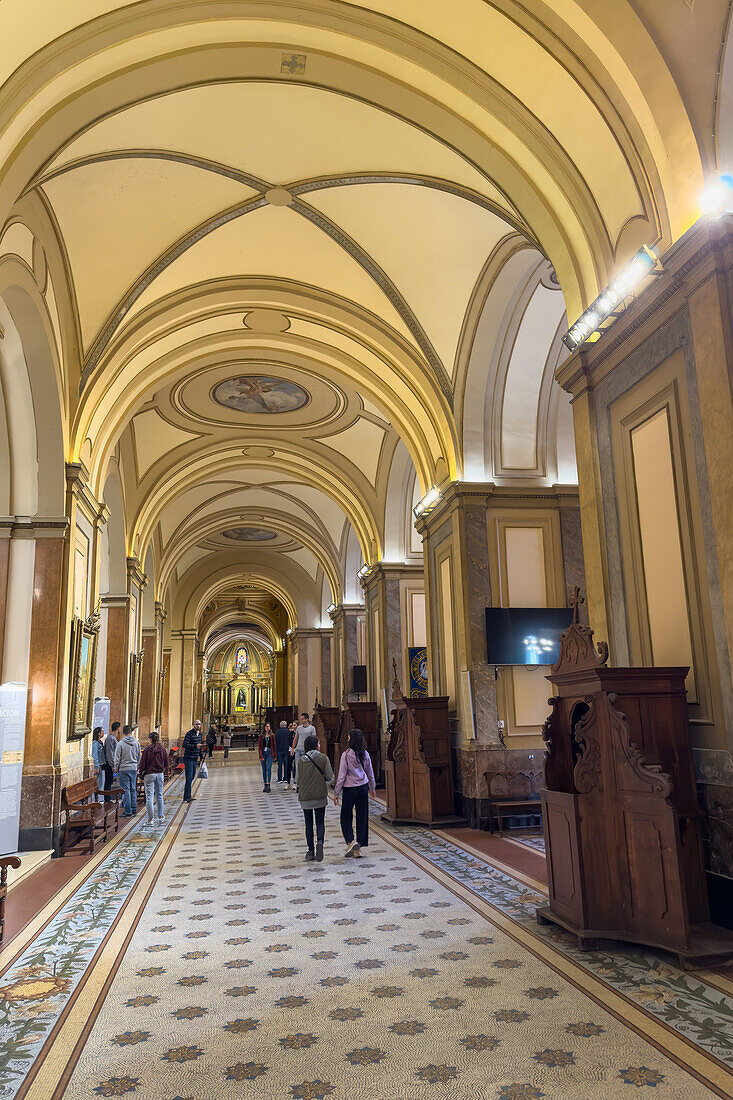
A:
[302,260]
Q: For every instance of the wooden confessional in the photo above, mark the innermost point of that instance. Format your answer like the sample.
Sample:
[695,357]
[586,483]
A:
[326,722]
[419,767]
[365,717]
[621,817]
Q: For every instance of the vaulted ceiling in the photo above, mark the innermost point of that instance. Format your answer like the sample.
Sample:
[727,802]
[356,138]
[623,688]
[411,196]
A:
[299,261]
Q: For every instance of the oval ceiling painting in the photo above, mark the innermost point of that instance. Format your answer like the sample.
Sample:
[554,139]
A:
[260,393]
[248,534]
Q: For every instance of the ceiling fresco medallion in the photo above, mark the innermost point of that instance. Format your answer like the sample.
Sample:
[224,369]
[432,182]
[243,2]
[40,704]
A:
[260,393]
[248,534]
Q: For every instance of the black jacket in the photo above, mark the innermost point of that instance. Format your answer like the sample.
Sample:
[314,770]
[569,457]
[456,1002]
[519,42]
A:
[192,744]
[283,738]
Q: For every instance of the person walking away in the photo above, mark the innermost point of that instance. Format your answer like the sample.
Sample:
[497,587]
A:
[226,740]
[314,773]
[98,756]
[191,753]
[210,742]
[267,747]
[153,763]
[356,782]
[303,731]
[283,739]
[110,747]
[127,759]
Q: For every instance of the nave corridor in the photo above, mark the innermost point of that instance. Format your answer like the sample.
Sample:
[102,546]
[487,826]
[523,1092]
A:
[205,959]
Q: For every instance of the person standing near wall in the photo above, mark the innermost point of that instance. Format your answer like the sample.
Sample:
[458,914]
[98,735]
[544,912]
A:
[127,759]
[110,746]
[226,740]
[191,754]
[98,757]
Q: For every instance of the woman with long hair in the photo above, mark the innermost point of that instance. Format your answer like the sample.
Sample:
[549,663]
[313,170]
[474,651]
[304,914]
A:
[356,782]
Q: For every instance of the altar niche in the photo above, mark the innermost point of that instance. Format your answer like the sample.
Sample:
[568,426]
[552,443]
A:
[620,810]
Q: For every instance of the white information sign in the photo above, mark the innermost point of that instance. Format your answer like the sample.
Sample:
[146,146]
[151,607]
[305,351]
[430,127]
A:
[13,698]
[101,714]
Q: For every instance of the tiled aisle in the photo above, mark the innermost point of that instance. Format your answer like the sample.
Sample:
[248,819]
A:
[251,973]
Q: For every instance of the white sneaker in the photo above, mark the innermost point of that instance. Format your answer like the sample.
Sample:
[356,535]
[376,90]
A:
[351,849]
[160,821]
[148,824]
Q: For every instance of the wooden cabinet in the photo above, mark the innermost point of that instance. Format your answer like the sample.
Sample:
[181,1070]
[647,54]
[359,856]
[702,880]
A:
[419,767]
[620,810]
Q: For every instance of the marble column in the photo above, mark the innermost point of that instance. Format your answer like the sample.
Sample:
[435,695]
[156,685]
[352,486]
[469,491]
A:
[117,673]
[387,632]
[345,619]
[42,767]
[326,693]
[166,688]
[307,650]
[189,640]
[146,717]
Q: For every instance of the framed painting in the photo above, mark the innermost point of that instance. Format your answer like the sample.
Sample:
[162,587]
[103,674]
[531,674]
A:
[136,683]
[160,691]
[84,636]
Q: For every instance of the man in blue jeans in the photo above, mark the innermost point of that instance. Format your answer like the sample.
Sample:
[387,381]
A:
[191,754]
[283,739]
[127,759]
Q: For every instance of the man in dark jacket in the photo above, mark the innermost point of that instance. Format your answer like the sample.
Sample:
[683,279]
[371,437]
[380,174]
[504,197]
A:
[283,737]
[110,747]
[191,755]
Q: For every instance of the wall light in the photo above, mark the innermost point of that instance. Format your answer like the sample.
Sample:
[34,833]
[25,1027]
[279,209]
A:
[330,609]
[427,503]
[364,571]
[289,631]
[606,306]
[717,197]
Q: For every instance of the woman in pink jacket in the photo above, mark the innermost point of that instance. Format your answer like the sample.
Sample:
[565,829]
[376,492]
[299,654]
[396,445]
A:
[356,782]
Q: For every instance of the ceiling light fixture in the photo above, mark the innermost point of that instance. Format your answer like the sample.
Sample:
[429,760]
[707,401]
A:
[717,197]
[607,305]
[428,502]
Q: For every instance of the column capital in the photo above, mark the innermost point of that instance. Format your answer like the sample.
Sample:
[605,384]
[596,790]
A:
[115,599]
[77,488]
[160,613]
[135,572]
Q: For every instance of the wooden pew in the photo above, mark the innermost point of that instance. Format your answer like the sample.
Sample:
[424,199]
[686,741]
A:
[511,794]
[95,821]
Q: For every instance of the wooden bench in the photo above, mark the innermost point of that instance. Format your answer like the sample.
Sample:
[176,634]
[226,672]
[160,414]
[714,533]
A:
[511,794]
[94,820]
[5,863]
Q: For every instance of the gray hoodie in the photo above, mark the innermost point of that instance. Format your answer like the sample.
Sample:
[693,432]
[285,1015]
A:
[127,754]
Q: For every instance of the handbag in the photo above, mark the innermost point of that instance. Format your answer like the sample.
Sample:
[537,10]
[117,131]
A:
[203,771]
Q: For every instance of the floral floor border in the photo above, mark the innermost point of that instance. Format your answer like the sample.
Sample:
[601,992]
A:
[680,999]
[38,985]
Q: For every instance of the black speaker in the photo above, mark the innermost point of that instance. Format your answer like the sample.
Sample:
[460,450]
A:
[360,680]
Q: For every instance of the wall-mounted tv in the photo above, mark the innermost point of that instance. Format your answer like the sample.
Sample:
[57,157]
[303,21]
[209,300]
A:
[525,635]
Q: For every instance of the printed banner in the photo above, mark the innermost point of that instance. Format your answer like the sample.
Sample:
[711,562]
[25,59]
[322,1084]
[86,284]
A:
[12,737]
[418,658]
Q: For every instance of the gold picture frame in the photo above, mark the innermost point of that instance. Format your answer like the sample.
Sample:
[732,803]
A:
[84,638]
[159,697]
[136,682]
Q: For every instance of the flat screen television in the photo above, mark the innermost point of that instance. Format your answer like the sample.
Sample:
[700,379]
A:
[525,635]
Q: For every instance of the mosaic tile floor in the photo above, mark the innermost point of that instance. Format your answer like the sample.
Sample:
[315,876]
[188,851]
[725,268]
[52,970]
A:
[242,971]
